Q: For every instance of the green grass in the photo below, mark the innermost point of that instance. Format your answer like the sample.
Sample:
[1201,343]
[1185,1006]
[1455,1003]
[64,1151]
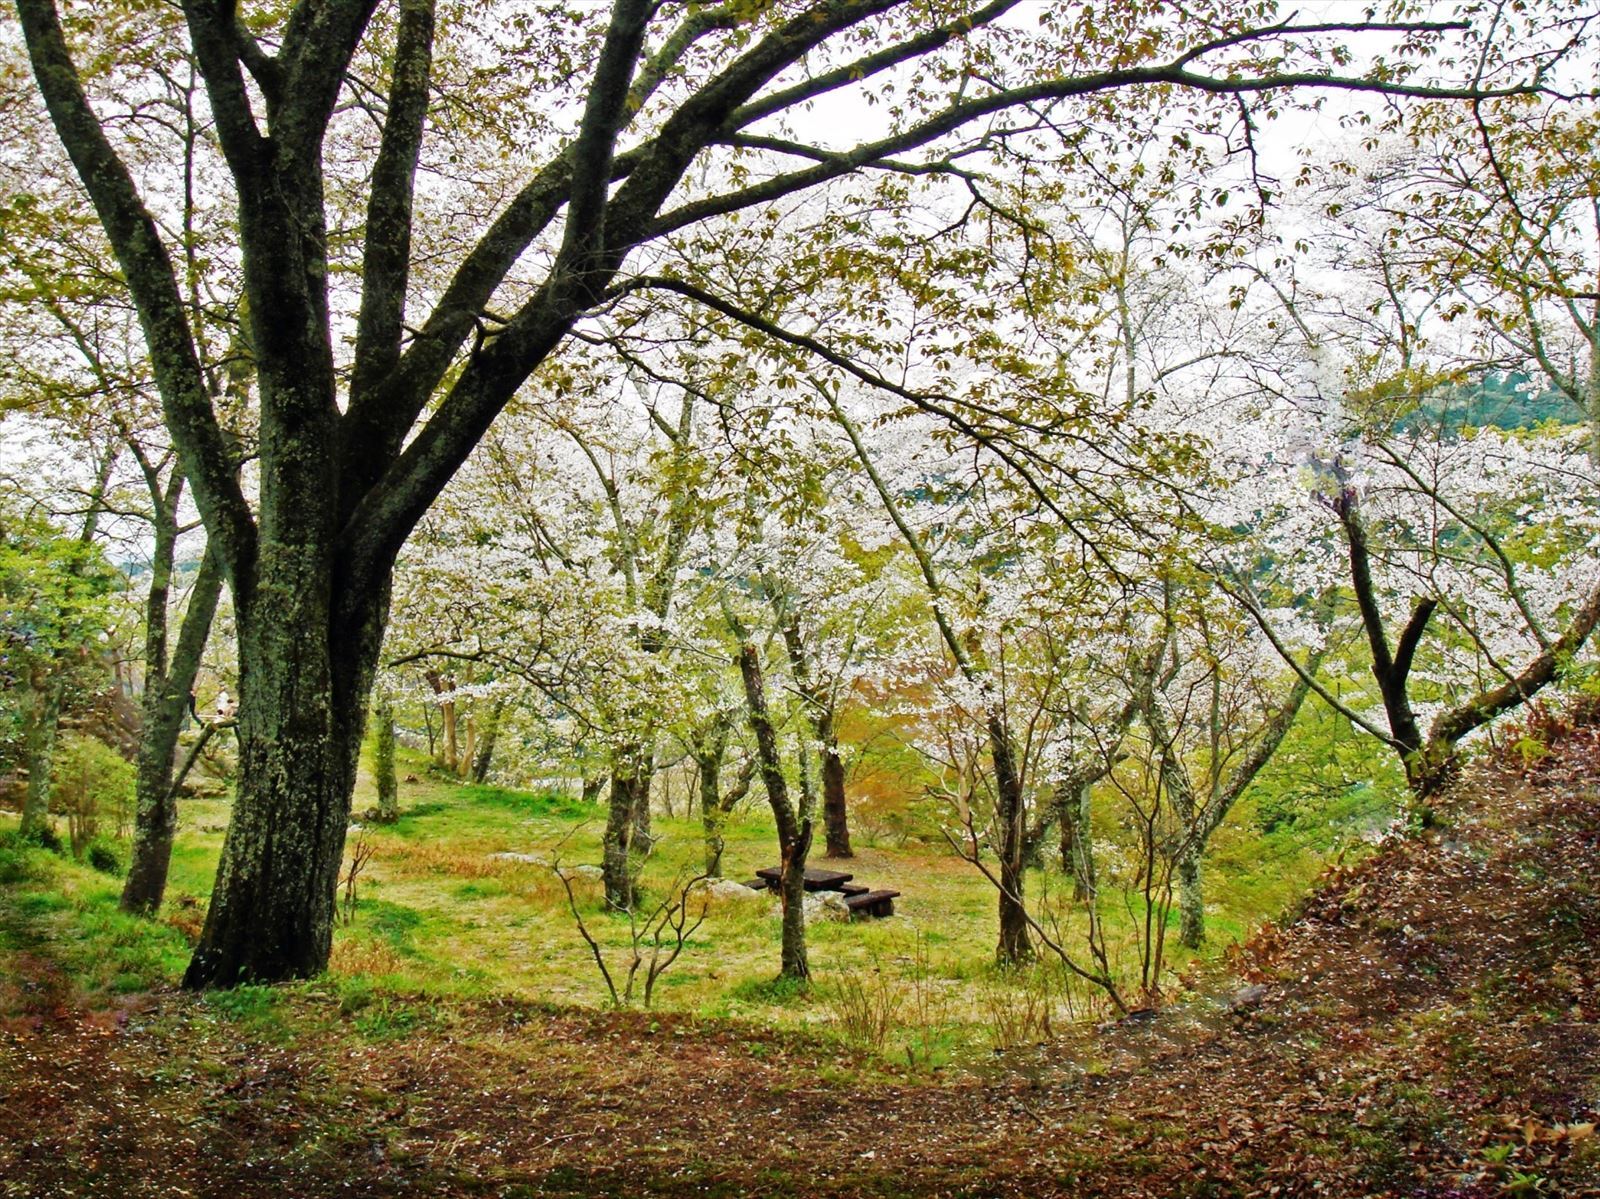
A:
[438,915]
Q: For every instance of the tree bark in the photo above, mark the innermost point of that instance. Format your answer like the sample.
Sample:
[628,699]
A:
[305,672]
[711,811]
[445,754]
[486,744]
[1077,840]
[1191,899]
[616,865]
[1010,814]
[835,813]
[709,750]
[383,759]
[40,704]
[794,828]
[642,837]
[469,747]
[166,701]
[819,714]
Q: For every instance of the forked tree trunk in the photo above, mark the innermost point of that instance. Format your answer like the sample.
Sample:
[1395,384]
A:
[820,715]
[445,754]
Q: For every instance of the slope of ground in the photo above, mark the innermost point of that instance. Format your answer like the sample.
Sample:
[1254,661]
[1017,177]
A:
[1427,1026]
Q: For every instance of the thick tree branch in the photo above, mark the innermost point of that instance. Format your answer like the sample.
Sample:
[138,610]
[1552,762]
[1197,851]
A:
[319,41]
[386,261]
[215,38]
[1548,666]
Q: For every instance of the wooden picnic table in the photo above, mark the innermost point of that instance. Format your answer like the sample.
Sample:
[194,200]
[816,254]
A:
[816,878]
[872,903]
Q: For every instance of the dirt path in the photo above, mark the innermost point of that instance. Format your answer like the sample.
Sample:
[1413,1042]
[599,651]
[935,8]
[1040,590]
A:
[1429,1026]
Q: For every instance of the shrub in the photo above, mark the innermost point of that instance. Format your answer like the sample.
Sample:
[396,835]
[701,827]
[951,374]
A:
[19,859]
[44,837]
[865,1006]
[1017,1003]
[103,856]
[91,782]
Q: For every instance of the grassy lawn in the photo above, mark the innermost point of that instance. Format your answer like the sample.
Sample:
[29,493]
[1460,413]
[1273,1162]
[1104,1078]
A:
[439,915]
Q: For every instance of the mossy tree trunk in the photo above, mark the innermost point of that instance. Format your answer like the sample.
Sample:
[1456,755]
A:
[491,736]
[168,687]
[40,708]
[383,771]
[305,671]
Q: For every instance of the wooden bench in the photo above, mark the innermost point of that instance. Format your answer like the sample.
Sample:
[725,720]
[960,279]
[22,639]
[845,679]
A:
[872,903]
[758,884]
[848,889]
[816,880]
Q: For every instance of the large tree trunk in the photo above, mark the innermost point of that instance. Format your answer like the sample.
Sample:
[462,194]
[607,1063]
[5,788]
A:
[166,702]
[302,706]
[642,837]
[621,846]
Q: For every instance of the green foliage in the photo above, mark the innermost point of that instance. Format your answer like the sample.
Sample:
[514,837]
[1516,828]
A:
[44,837]
[104,857]
[247,1004]
[386,1018]
[1325,774]
[22,859]
[91,783]
[780,990]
